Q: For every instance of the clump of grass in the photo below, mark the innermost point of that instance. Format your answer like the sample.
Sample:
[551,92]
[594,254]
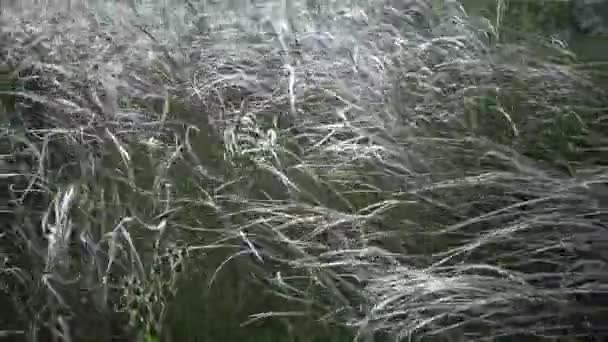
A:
[356,168]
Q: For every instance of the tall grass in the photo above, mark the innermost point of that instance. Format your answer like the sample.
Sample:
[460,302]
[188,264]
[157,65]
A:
[296,170]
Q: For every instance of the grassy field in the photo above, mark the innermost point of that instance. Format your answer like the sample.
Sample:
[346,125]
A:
[549,19]
[301,171]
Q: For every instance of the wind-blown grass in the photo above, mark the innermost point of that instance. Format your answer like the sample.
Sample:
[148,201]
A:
[188,170]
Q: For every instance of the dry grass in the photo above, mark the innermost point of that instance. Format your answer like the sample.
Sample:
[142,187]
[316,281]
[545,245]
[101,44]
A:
[381,165]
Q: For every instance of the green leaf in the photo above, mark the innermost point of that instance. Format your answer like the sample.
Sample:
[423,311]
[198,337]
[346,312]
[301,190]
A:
[151,337]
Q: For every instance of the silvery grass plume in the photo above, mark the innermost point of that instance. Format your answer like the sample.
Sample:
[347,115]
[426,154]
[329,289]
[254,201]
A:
[386,165]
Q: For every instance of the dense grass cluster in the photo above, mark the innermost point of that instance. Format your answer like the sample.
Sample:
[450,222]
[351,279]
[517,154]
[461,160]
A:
[330,170]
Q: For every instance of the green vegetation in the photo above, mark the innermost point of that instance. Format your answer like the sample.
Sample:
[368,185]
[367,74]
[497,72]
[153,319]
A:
[363,170]
[522,17]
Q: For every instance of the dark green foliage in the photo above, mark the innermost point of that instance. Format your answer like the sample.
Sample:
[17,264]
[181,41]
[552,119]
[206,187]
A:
[523,18]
